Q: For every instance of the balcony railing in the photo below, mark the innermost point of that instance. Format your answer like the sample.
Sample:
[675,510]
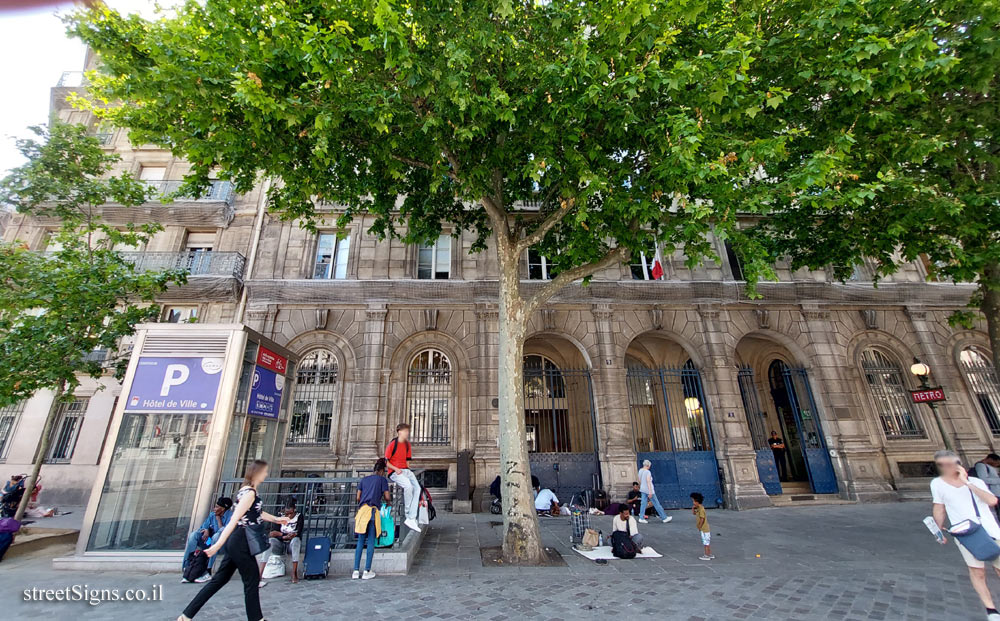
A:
[72,79]
[196,263]
[216,191]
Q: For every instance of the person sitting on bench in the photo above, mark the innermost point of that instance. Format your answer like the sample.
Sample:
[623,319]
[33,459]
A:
[397,456]
[546,502]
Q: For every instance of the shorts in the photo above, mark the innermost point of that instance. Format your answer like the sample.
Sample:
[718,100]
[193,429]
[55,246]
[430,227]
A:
[972,561]
[706,538]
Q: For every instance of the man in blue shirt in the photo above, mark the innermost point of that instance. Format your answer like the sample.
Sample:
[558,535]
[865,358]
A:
[203,536]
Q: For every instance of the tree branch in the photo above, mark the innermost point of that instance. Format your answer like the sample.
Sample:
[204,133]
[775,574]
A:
[614,256]
[547,224]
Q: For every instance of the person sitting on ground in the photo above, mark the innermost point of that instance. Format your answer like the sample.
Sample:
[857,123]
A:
[634,498]
[626,523]
[373,490]
[546,502]
[288,538]
[203,536]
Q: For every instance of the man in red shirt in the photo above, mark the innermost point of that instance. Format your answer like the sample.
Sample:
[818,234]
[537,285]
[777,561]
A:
[396,456]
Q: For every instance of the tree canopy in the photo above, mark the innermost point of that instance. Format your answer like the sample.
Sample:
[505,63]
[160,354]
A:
[58,307]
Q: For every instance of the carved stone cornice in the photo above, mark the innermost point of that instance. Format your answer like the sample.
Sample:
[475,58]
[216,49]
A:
[916,314]
[815,314]
[376,312]
[487,312]
[602,312]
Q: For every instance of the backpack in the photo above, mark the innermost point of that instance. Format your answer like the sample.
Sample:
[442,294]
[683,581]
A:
[395,445]
[622,545]
[197,565]
[388,526]
[431,511]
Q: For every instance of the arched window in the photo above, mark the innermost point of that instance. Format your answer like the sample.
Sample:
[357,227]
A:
[977,366]
[542,378]
[890,396]
[428,397]
[316,382]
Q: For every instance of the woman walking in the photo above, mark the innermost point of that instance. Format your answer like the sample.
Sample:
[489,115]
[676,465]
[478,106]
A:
[239,538]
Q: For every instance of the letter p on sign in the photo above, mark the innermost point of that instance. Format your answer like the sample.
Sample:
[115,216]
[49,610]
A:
[175,375]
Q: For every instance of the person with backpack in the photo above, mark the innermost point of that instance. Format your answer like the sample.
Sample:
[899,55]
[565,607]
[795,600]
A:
[203,536]
[397,456]
[373,490]
[624,522]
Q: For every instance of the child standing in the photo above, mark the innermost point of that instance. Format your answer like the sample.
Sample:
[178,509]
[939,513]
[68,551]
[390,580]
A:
[702,524]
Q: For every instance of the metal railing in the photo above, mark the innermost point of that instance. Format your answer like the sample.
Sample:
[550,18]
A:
[890,396]
[982,379]
[195,262]
[667,407]
[216,190]
[327,505]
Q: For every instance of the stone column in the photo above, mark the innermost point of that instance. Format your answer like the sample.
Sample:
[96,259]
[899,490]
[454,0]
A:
[730,433]
[858,459]
[962,420]
[614,425]
[486,452]
[368,405]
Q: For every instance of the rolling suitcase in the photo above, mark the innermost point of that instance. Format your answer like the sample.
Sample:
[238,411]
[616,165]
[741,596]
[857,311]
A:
[317,561]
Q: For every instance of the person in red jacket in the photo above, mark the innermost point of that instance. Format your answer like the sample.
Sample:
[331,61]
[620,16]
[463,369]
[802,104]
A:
[397,455]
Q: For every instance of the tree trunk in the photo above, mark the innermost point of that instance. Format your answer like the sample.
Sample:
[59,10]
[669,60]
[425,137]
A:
[522,540]
[989,284]
[41,451]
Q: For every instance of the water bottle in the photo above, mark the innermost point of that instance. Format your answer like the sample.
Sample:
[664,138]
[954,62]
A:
[600,538]
[933,527]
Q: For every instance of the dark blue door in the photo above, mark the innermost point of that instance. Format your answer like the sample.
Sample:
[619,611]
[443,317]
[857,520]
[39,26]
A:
[671,428]
[817,456]
[767,471]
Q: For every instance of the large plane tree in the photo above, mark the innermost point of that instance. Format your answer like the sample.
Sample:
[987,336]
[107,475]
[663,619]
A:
[586,131]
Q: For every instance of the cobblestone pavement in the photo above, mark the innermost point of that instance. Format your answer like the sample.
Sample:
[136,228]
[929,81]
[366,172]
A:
[845,562]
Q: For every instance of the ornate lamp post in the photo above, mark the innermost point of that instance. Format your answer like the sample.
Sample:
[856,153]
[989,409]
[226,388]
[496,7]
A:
[930,395]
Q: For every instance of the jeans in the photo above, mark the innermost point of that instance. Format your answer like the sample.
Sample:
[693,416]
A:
[637,540]
[651,498]
[280,546]
[238,558]
[194,542]
[366,539]
[411,491]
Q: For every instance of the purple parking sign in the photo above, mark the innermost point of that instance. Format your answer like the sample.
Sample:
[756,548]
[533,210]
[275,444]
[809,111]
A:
[179,385]
[265,393]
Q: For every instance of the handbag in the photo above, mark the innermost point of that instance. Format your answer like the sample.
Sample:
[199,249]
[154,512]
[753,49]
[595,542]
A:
[275,568]
[256,538]
[591,538]
[974,537]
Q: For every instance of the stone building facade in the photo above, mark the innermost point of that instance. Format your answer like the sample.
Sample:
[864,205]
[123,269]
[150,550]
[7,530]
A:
[685,369]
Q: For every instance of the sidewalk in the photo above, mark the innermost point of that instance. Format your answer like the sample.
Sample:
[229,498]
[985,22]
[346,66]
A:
[847,563]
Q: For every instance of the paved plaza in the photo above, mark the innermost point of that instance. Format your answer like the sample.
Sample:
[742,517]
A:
[844,562]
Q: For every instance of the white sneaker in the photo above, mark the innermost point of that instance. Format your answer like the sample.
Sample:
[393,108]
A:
[668,519]
[412,524]
[185,581]
[704,557]
[368,575]
[993,616]
[644,521]
[261,584]
[204,578]
[355,574]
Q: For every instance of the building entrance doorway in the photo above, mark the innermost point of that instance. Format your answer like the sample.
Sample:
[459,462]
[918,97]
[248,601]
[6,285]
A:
[795,464]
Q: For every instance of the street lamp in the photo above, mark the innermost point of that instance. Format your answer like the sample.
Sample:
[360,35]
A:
[922,371]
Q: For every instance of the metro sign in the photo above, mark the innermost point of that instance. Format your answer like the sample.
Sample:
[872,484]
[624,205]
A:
[928,395]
